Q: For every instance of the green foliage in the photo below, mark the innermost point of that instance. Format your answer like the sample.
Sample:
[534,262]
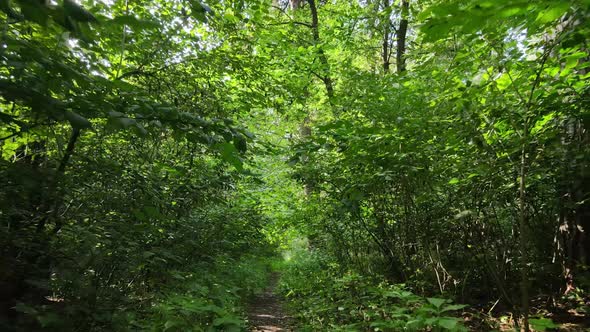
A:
[542,324]
[417,175]
[210,301]
[154,153]
[347,301]
[115,157]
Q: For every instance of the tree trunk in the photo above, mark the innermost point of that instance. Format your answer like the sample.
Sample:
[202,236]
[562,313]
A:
[401,37]
[523,240]
[305,132]
[325,72]
[386,37]
[295,4]
[574,217]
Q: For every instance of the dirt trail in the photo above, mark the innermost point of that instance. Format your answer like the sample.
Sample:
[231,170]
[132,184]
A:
[266,313]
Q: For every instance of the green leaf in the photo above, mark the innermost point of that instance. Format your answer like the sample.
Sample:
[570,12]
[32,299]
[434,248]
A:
[170,324]
[542,324]
[436,301]
[152,212]
[199,10]
[6,7]
[553,12]
[227,321]
[34,11]
[230,154]
[25,309]
[540,125]
[77,121]
[50,320]
[503,81]
[415,324]
[119,120]
[240,143]
[513,10]
[134,22]
[572,60]
[77,12]
[453,307]
[448,323]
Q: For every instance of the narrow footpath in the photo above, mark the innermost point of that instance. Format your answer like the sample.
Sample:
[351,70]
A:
[265,312]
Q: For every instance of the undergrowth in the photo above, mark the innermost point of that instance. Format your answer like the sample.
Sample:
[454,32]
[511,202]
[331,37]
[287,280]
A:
[325,298]
[210,299]
[205,297]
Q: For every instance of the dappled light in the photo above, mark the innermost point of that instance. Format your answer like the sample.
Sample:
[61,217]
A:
[294,165]
[266,312]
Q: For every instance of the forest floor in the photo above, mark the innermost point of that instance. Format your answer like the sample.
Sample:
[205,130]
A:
[266,312]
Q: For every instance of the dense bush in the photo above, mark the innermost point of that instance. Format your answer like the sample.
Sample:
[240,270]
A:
[150,149]
[327,299]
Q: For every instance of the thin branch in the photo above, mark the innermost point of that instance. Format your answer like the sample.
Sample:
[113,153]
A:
[22,131]
[292,22]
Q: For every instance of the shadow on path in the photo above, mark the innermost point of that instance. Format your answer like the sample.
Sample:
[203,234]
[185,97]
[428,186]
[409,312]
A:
[265,311]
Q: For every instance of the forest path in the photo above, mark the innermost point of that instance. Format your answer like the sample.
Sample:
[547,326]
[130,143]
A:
[265,311]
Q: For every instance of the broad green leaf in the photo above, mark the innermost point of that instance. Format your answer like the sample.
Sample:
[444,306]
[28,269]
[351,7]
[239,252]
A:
[119,120]
[6,7]
[540,124]
[542,324]
[171,324]
[503,81]
[448,323]
[77,121]
[571,61]
[134,22]
[34,11]
[230,154]
[26,309]
[199,10]
[77,12]
[512,10]
[553,11]
[436,301]
[227,321]
[453,307]
[240,143]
